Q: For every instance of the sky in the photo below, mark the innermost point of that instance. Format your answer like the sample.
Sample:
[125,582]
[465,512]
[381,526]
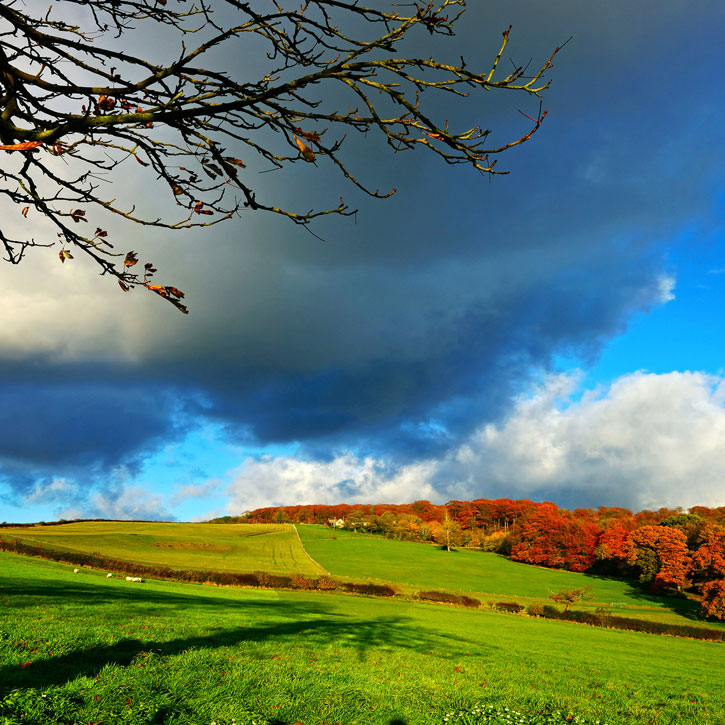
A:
[556,333]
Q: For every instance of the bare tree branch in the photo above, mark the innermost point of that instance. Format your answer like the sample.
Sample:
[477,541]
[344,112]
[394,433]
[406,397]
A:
[74,108]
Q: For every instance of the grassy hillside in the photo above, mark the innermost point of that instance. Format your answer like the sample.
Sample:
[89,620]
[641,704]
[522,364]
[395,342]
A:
[486,575]
[183,546]
[83,648]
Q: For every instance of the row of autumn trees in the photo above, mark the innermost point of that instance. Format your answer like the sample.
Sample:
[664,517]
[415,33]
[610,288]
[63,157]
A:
[666,550]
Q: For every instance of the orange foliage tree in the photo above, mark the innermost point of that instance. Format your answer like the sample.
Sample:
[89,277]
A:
[661,555]
[80,100]
[709,562]
[550,536]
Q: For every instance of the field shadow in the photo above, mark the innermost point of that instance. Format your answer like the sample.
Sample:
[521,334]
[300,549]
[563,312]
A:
[674,603]
[27,593]
[313,623]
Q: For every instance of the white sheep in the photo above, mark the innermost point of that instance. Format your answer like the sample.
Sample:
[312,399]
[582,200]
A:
[134,579]
[108,576]
[75,571]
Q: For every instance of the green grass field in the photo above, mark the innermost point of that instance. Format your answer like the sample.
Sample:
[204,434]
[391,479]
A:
[485,575]
[80,648]
[232,547]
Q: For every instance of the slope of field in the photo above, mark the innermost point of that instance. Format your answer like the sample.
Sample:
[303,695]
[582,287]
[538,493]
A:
[82,648]
[486,575]
[231,547]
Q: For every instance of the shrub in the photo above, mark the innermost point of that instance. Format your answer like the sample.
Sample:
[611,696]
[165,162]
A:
[634,625]
[373,590]
[513,607]
[326,583]
[273,581]
[449,598]
[535,610]
[550,612]
[300,581]
[471,602]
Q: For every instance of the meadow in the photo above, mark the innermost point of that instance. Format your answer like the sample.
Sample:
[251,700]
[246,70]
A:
[484,575]
[83,648]
[235,547]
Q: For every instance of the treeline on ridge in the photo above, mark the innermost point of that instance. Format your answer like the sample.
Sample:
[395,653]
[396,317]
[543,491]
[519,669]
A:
[668,550]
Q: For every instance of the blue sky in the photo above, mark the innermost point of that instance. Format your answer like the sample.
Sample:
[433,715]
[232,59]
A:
[554,334]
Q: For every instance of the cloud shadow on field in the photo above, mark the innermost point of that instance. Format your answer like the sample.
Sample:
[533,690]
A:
[313,623]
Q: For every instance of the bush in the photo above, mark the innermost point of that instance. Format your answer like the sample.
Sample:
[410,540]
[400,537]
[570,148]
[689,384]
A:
[373,590]
[634,625]
[326,583]
[300,581]
[273,581]
[513,607]
[449,598]
[535,610]
[550,612]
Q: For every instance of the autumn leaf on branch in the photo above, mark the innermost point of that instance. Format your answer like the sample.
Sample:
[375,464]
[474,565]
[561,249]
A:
[307,153]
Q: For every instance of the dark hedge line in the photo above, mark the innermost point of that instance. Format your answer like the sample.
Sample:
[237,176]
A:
[448,598]
[513,607]
[220,578]
[629,623]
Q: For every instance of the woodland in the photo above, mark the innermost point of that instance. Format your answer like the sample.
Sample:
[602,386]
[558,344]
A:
[667,551]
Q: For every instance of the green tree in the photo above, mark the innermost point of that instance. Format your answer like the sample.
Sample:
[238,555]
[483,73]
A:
[81,102]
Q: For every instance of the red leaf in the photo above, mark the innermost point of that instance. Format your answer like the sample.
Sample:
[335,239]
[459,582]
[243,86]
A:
[309,135]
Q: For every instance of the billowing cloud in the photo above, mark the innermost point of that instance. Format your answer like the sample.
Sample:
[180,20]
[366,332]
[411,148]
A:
[644,442]
[344,478]
[122,503]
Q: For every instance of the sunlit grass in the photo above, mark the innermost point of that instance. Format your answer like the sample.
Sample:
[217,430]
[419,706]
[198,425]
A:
[108,651]
[232,547]
[484,575]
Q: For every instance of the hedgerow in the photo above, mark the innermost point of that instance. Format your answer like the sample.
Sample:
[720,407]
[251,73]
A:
[629,623]
[449,598]
[261,579]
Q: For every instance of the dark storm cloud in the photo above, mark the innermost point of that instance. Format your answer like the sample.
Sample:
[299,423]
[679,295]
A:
[404,331]
[80,427]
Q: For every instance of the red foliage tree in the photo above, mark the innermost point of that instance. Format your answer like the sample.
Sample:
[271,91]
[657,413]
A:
[713,598]
[550,536]
[661,554]
[709,561]
[613,543]
[710,555]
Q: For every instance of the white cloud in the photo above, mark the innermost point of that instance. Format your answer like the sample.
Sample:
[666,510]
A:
[58,489]
[645,442]
[184,493]
[344,479]
[123,503]
[648,441]
[666,288]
